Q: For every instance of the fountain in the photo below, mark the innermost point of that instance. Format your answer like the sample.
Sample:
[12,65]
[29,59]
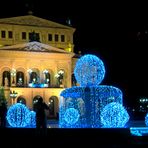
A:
[90,105]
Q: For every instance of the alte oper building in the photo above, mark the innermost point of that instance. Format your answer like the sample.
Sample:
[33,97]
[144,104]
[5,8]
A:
[36,59]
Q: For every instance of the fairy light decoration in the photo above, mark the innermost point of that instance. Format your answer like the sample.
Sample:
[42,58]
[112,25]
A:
[17,115]
[88,99]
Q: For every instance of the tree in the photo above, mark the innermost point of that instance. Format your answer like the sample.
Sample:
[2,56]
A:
[2,96]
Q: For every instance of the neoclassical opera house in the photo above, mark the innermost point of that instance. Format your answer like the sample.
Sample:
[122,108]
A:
[36,59]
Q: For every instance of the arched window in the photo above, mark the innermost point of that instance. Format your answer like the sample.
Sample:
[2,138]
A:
[53,107]
[21,99]
[73,80]
[6,78]
[35,100]
[47,79]
[33,78]
[20,78]
[60,77]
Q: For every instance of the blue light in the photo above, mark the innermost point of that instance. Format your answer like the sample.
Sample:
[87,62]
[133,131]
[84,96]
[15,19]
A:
[146,119]
[89,70]
[89,99]
[139,131]
[41,85]
[114,115]
[17,115]
[89,102]
[31,119]
[71,116]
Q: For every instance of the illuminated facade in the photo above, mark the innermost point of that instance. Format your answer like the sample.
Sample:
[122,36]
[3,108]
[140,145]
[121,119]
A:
[28,68]
[18,30]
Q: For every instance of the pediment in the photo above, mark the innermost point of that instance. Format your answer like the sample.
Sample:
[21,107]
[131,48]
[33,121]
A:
[30,20]
[34,47]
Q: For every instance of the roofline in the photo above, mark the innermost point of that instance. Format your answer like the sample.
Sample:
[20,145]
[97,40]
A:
[67,27]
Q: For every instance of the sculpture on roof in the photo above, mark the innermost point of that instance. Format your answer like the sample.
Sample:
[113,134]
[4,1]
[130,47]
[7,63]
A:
[34,37]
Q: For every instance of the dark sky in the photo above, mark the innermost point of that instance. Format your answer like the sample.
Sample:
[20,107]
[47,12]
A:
[108,30]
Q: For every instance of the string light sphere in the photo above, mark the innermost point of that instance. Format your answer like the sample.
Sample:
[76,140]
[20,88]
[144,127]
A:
[89,70]
[71,116]
[114,115]
[31,119]
[17,115]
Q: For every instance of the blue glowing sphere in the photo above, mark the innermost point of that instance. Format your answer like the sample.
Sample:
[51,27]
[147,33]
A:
[114,115]
[17,115]
[89,70]
[31,119]
[71,116]
[146,119]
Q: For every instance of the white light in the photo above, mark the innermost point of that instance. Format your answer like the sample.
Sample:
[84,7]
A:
[45,71]
[57,75]
[61,72]
[29,70]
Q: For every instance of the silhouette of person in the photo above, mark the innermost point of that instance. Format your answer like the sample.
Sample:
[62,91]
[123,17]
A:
[3,112]
[39,108]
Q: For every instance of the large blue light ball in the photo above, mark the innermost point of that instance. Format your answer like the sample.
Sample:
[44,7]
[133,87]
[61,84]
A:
[89,70]
[71,116]
[17,115]
[31,119]
[114,115]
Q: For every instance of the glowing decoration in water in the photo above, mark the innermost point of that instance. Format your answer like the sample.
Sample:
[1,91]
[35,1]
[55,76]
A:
[139,131]
[146,119]
[89,70]
[31,119]
[89,99]
[114,115]
[17,115]
[71,116]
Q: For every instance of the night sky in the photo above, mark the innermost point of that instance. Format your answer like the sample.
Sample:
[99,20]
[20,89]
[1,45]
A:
[116,32]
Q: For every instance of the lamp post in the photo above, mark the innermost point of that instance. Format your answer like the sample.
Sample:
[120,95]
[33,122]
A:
[13,95]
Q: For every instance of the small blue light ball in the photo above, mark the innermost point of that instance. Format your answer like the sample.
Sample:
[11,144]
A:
[71,116]
[17,115]
[114,115]
[89,70]
[146,119]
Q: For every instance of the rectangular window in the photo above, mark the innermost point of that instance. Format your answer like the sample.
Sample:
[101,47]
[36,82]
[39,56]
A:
[37,36]
[56,37]
[34,36]
[10,34]
[62,38]
[3,34]
[24,35]
[49,37]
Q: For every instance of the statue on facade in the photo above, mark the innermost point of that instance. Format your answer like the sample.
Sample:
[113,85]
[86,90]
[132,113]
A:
[6,84]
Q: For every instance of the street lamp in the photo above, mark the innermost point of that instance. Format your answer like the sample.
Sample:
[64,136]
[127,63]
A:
[13,95]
